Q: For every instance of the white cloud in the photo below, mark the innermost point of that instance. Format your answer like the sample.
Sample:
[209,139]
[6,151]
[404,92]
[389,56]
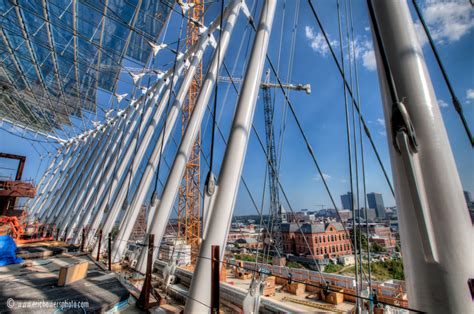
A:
[381,127]
[381,121]
[361,48]
[470,94]
[318,42]
[447,21]
[368,60]
[325,176]
[442,103]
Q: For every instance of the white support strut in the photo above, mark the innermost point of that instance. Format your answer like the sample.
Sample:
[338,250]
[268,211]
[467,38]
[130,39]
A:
[231,169]
[435,228]
[162,212]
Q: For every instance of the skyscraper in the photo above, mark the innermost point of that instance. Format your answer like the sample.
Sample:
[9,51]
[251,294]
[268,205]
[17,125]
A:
[346,200]
[376,201]
[468,197]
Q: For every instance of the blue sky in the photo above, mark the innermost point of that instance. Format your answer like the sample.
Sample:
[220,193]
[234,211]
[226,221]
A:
[322,112]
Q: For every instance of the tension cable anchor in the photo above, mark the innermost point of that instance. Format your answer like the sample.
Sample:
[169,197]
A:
[401,123]
[210,184]
[326,289]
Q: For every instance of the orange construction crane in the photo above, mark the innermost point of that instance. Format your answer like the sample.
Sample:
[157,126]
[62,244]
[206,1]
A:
[189,204]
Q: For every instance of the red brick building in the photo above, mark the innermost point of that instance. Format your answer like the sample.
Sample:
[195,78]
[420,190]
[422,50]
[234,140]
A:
[326,240]
[380,230]
[386,242]
[383,236]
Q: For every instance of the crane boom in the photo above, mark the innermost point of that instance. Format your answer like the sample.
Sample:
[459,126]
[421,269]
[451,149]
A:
[297,87]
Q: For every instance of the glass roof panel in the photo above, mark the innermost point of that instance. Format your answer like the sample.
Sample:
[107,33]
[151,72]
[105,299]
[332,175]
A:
[55,54]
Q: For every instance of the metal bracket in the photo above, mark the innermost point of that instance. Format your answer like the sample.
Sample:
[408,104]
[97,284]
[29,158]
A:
[252,300]
[210,189]
[154,199]
[212,41]
[401,122]
[245,10]
[169,273]
[422,213]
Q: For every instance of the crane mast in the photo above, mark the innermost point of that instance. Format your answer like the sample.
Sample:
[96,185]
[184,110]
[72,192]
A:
[276,214]
[189,203]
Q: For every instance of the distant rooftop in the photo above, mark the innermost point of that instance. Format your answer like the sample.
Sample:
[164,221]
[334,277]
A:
[310,228]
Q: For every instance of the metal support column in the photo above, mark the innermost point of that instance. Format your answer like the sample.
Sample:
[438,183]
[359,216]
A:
[435,228]
[71,188]
[76,204]
[43,186]
[40,203]
[163,210]
[119,161]
[113,184]
[49,172]
[143,301]
[90,145]
[215,279]
[231,169]
[140,153]
[147,177]
[103,173]
[80,186]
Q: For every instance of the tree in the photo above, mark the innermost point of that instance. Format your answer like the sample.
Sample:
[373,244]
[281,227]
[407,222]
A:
[397,247]
[332,268]
[361,236]
[377,248]
[292,264]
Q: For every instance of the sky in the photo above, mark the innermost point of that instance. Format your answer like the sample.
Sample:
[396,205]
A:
[299,51]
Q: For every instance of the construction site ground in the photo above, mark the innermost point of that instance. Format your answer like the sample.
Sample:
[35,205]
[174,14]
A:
[36,280]
[316,305]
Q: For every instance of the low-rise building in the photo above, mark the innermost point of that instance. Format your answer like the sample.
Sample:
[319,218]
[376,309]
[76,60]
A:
[321,240]
[345,214]
[380,230]
[386,242]
[248,243]
[346,260]
[242,232]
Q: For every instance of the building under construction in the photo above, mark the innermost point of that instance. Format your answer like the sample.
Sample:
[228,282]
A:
[154,124]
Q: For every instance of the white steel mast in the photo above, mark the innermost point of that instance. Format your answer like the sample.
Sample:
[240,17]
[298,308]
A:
[435,228]
[231,170]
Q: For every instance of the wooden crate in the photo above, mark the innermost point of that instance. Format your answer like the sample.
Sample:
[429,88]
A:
[281,281]
[335,297]
[296,288]
[72,273]
[269,288]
